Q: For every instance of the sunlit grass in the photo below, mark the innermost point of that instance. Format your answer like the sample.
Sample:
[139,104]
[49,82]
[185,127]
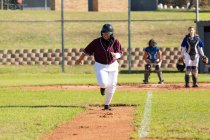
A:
[24,35]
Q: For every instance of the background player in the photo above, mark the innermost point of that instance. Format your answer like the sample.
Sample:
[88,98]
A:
[106,50]
[192,48]
[153,57]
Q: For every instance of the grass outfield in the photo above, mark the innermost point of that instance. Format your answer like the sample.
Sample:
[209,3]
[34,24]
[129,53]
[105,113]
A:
[39,35]
[30,114]
[27,114]
[180,114]
[51,75]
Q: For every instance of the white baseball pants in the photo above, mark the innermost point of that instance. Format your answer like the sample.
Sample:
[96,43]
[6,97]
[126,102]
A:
[189,62]
[107,78]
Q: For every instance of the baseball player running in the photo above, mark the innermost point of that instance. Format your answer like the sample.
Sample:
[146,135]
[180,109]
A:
[106,50]
[153,58]
[192,49]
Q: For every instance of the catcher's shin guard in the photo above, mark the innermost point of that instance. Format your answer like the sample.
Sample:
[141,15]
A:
[146,73]
[195,81]
[195,76]
[159,73]
[160,76]
[187,81]
[146,77]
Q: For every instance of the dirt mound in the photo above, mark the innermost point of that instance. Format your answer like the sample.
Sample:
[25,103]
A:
[96,124]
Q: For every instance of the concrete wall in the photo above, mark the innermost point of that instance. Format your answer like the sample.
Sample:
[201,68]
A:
[70,5]
[105,5]
[53,57]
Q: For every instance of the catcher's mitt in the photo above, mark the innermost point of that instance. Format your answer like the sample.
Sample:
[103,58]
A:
[180,65]
[205,59]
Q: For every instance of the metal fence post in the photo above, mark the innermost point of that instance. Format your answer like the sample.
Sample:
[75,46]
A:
[197,11]
[62,32]
[129,36]
[2,7]
[45,5]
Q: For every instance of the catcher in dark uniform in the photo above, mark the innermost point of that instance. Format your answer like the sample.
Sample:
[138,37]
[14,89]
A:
[153,58]
[192,50]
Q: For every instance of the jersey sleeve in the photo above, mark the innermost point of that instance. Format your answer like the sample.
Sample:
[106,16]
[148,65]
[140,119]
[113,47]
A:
[118,47]
[89,50]
[158,48]
[200,43]
[184,43]
[146,49]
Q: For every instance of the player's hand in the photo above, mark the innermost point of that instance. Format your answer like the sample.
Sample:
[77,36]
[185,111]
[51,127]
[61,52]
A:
[113,54]
[205,59]
[157,61]
[181,58]
[79,62]
[148,61]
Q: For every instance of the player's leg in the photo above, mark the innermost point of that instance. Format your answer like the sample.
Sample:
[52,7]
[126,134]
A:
[188,63]
[195,71]
[147,73]
[111,87]
[187,76]
[102,77]
[159,73]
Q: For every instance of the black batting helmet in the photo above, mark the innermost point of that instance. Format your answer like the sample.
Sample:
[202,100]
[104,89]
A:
[107,28]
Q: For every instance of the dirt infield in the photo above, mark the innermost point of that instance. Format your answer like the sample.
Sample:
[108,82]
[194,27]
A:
[97,124]
[132,87]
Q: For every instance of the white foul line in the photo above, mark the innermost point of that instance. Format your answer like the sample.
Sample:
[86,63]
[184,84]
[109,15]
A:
[144,130]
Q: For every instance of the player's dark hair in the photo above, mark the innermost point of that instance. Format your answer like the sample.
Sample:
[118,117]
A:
[190,28]
[152,41]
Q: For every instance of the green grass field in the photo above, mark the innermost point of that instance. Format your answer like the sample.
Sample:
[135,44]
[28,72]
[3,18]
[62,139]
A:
[27,35]
[28,114]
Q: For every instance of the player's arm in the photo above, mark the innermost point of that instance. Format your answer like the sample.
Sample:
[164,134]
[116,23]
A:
[118,50]
[145,57]
[89,50]
[204,58]
[81,58]
[116,55]
[183,48]
[200,48]
[159,57]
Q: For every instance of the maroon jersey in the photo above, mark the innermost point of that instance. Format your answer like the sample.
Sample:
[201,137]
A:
[101,49]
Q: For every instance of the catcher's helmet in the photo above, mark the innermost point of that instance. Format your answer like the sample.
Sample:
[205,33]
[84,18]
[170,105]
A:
[107,28]
[152,43]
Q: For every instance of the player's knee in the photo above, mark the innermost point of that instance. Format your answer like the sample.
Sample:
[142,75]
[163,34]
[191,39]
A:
[147,67]
[157,68]
[194,70]
[188,70]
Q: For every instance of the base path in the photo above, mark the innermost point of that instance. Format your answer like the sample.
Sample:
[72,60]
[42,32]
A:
[96,124]
[132,87]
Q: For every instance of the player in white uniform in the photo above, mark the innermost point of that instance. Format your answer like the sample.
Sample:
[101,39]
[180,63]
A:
[192,49]
[106,50]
